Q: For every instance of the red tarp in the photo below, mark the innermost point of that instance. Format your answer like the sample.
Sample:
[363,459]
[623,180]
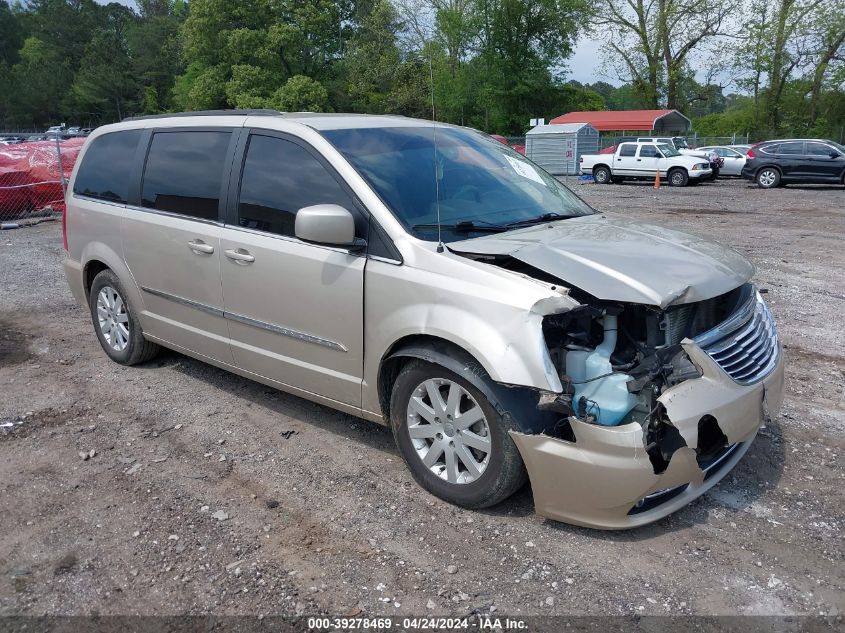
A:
[29,175]
[627,120]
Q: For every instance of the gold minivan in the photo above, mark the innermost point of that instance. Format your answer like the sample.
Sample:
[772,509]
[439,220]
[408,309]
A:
[430,278]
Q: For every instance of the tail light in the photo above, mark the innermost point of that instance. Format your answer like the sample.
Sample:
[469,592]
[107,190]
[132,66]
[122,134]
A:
[750,152]
[64,227]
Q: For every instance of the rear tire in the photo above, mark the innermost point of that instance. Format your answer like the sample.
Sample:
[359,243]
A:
[115,323]
[447,448]
[678,178]
[768,178]
[602,175]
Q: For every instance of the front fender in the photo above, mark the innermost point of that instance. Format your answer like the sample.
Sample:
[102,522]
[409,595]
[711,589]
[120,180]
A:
[517,405]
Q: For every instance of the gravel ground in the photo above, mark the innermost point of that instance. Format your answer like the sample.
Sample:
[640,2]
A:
[202,492]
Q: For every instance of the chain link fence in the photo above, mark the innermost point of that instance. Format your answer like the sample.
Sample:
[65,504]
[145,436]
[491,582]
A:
[33,179]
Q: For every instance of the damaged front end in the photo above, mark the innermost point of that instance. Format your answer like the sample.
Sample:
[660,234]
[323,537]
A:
[658,404]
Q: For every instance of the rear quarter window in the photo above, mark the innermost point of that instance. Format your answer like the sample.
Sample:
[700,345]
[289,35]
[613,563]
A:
[184,170]
[107,165]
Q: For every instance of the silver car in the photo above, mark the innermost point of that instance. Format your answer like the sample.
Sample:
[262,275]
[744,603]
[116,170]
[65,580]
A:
[434,280]
[734,158]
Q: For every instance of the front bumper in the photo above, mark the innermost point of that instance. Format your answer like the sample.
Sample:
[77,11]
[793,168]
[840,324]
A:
[605,478]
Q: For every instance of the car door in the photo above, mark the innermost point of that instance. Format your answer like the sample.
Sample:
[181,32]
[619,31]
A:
[295,309]
[734,161]
[792,160]
[824,161]
[624,163]
[648,160]
[171,237]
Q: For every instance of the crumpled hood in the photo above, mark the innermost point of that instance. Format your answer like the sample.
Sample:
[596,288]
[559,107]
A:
[621,260]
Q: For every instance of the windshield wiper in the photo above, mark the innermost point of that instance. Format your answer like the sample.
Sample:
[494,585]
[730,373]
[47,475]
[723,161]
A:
[464,227]
[539,219]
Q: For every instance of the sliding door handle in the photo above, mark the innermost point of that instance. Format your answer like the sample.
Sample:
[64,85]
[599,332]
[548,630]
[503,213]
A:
[240,256]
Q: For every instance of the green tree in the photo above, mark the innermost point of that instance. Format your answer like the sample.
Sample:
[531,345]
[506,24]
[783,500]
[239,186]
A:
[11,35]
[253,47]
[155,49]
[373,60]
[300,94]
[649,44]
[105,85]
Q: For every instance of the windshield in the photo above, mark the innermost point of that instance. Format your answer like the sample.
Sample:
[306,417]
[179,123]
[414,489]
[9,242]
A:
[669,151]
[481,185]
[680,142]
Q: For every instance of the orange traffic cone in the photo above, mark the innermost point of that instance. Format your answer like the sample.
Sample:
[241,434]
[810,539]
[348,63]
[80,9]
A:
[657,179]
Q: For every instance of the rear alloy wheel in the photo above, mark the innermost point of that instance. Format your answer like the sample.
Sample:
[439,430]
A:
[454,441]
[602,175]
[768,177]
[678,178]
[117,329]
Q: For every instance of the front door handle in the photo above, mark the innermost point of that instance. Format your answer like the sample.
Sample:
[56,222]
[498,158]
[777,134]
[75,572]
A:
[198,246]
[240,255]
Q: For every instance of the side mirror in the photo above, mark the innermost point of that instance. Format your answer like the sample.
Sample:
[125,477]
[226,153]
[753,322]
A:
[328,224]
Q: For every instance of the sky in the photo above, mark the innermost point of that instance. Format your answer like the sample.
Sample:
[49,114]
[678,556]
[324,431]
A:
[585,63]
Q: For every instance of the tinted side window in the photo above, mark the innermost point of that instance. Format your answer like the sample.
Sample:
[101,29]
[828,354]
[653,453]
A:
[106,166]
[791,148]
[279,178]
[628,150]
[770,149]
[184,173]
[648,151]
[819,149]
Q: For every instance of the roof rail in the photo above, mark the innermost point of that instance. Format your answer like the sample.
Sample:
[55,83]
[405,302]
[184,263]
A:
[232,112]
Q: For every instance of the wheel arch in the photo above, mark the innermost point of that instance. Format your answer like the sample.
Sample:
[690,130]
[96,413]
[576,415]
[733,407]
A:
[98,256]
[595,167]
[91,269]
[517,402]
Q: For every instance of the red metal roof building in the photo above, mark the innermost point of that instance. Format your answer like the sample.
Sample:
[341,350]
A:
[661,121]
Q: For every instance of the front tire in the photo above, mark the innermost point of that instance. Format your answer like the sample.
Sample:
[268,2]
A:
[115,323]
[768,178]
[602,175]
[453,440]
[678,178]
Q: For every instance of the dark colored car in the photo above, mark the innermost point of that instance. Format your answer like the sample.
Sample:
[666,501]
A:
[810,161]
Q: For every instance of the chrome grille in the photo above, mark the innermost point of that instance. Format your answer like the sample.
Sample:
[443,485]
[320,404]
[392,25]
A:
[746,344]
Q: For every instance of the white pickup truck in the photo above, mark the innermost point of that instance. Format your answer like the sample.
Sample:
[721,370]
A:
[643,161]
[680,144]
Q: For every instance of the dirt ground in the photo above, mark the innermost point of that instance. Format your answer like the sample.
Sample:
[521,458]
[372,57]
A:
[203,492]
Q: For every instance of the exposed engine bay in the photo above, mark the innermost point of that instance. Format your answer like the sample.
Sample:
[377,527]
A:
[615,360]
[663,370]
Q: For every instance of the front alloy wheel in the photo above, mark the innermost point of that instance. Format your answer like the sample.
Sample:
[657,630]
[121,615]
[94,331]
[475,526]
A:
[448,430]
[454,440]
